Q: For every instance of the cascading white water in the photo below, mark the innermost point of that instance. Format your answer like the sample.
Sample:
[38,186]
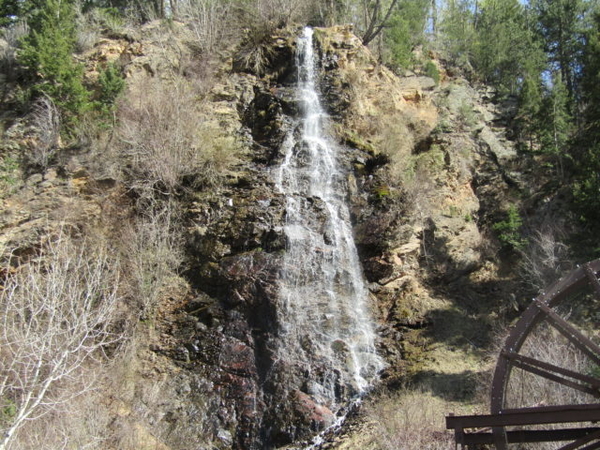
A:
[327,333]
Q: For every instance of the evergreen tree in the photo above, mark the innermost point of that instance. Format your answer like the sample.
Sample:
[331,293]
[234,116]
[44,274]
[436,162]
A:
[111,84]
[10,10]
[557,124]
[561,28]
[47,53]
[406,30]
[530,101]
[457,31]
[587,156]
[590,82]
[503,45]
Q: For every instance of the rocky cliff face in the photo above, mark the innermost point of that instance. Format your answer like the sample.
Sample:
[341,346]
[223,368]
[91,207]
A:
[428,170]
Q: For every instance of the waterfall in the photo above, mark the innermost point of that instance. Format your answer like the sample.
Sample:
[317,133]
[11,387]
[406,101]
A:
[327,336]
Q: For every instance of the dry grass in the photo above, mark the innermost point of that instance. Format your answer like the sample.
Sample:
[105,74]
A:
[81,423]
[94,22]
[12,35]
[256,51]
[154,248]
[410,420]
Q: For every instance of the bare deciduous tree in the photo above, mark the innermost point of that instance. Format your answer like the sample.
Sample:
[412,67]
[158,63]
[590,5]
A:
[45,120]
[167,141]
[207,19]
[56,317]
[546,257]
[376,19]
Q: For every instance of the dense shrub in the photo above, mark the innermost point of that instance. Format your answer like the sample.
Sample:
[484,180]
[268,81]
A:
[168,143]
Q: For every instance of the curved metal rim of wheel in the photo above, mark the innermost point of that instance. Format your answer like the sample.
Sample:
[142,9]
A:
[542,308]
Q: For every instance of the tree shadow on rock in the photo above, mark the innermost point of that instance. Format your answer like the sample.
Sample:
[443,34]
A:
[461,329]
[451,387]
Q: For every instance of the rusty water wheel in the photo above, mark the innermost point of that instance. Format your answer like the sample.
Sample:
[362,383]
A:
[544,314]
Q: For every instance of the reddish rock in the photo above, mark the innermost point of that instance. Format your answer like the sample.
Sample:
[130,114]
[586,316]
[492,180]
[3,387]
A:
[237,358]
[318,417]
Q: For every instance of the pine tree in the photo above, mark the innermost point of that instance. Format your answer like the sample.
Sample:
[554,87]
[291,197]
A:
[10,10]
[47,53]
[457,31]
[587,156]
[503,45]
[530,102]
[406,30]
[560,26]
[558,124]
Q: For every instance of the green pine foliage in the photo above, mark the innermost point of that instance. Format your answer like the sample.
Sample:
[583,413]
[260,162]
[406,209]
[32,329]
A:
[399,43]
[530,102]
[559,24]
[9,11]
[503,44]
[509,230]
[557,125]
[432,71]
[405,31]
[586,188]
[47,54]
[111,84]
[457,32]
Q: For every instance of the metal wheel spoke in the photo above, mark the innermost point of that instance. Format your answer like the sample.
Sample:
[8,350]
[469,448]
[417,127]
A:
[578,339]
[521,361]
[594,446]
[582,441]
[556,378]
[593,279]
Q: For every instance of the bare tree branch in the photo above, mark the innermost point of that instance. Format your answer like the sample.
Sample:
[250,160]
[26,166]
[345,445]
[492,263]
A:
[56,316]
[374,27]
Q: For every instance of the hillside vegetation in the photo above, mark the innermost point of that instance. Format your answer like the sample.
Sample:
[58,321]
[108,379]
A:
[543,55]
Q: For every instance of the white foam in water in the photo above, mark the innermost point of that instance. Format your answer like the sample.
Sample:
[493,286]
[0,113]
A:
[328,333]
